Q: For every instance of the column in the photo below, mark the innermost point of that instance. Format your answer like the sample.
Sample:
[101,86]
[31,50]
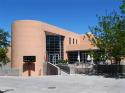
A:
[78,56]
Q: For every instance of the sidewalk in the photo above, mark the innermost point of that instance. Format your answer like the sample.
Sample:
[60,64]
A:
[62,84]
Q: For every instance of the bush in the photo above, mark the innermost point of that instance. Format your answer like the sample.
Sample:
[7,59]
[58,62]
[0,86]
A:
[62,62]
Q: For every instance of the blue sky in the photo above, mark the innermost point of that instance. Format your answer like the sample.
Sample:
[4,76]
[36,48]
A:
[73,15]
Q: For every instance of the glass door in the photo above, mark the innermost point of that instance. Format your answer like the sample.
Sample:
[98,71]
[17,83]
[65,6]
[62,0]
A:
[53,58]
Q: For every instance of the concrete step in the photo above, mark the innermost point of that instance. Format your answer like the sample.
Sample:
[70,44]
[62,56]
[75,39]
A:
[64,73]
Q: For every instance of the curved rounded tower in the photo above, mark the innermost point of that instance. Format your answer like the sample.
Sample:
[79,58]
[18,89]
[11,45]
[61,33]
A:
[28,47]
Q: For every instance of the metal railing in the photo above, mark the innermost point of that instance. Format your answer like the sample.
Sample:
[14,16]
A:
[53,69]
[9,72]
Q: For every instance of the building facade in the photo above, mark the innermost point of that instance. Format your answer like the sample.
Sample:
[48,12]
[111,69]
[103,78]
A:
[36,42]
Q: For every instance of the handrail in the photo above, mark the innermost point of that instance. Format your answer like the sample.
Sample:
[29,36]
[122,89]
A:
[56,67]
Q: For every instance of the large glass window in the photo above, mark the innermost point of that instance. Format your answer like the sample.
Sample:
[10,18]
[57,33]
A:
[83,56]
[54,47]
[72,57]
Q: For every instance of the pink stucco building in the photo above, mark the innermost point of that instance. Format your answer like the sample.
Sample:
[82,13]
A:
[39,42]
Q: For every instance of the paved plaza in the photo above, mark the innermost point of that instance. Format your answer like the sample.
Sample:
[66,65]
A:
[61,84]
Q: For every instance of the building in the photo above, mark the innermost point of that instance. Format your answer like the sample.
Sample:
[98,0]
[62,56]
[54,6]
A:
[36,42]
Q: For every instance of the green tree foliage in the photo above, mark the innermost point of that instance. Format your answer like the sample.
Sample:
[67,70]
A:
[4,43]
[109,36]
[62,62]
[3,58]
[122,7]
[98,56]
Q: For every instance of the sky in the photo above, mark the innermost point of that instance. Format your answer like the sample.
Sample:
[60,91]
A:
[73,15]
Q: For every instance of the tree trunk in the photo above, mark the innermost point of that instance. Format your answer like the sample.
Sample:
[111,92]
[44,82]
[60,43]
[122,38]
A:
[118,60]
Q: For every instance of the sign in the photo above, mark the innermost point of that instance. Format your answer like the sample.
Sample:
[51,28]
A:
[29,58]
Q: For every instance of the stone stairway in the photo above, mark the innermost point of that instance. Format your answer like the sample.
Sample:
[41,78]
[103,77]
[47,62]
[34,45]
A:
[63,73]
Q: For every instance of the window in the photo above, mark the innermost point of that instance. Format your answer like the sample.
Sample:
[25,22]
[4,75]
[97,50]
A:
[83,57]
[54,45]
[73,40]
[69,40]
[76,41]
[72,57]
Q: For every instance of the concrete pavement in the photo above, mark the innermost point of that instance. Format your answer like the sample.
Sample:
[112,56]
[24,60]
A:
[62,84]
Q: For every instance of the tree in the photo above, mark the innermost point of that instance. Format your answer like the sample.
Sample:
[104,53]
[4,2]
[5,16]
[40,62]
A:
[3,58]
[109,36]
[4,43]
[122,7]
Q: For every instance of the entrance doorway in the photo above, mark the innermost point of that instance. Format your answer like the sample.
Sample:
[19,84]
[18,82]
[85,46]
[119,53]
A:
[54,48]
[53,58]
